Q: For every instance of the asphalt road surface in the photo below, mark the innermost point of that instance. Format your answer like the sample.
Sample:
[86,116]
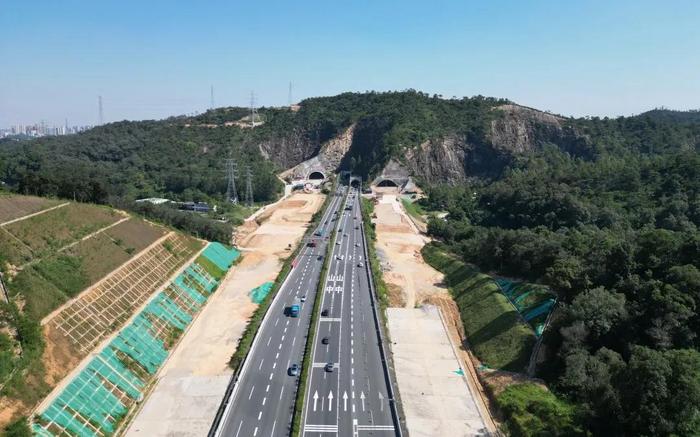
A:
[350,400]
[262,401]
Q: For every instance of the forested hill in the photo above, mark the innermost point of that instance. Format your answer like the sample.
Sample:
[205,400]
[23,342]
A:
[439,140]
[128,160]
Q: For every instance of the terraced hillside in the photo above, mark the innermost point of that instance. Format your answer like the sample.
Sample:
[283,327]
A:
[71,275]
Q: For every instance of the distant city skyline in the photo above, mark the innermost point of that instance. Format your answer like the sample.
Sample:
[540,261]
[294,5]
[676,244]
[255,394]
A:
[151,60]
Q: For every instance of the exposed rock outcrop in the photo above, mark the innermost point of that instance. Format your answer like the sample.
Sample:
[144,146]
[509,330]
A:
[327,160]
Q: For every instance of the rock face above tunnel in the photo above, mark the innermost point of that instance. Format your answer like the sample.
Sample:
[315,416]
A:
[326,161]
[394,174]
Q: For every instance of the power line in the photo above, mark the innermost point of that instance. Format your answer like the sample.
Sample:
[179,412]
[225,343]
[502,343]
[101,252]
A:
[231,170]
[248,187]
[100,114]
[253,109]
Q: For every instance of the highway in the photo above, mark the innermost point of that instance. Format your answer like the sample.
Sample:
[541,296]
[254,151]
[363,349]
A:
[262,400]
[352,399]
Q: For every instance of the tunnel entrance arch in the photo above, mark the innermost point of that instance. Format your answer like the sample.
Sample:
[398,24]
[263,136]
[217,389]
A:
[355,183]
[387,183]
[316,176]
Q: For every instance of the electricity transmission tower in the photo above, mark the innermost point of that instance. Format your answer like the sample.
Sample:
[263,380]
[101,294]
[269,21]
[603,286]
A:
[100,114]
[253,109]
[211,105]
[231,170]
[248,187]
[289,97]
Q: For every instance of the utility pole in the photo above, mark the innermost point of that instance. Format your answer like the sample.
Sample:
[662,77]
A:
[249,187]
[100,115]
[253,109]
[231,193]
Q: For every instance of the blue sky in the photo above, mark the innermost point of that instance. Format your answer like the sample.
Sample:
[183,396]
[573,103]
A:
[152,58]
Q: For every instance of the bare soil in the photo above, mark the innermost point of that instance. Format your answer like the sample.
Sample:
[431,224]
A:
[200,360]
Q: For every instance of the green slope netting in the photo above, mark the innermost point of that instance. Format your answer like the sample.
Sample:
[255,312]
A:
[533,302]
[258,294]
[103,392]
[220,255]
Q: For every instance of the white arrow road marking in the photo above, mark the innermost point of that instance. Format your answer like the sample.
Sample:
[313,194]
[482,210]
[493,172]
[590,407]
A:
[345,401]
[381,404]
[362,397]
[330,401]
[315,399]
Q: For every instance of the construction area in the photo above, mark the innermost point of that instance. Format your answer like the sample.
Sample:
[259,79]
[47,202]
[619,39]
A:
[73,274]
[439,387]
[192,383]
[100,393]
[435,393]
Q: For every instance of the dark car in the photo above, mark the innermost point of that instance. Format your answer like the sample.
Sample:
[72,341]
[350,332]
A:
[293,370]
[325,340]
[329,367]
[324,313]
[320,257]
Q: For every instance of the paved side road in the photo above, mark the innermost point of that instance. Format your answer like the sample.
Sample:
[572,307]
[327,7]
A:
[351,399]
[262,401]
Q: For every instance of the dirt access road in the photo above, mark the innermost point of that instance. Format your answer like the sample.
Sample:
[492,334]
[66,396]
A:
[192,383]
[411,281]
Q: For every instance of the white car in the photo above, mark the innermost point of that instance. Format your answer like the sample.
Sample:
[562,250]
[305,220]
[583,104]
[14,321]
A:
[303,298]
[360,264]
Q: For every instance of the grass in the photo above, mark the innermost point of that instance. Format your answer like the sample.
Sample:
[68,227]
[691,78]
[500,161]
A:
[14,206]
[494,329]
[380,286]
[210,267]
[530,410]
[413,209]
[50,231]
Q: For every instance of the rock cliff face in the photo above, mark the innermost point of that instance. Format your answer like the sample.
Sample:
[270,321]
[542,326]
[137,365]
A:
[291,149]
[452,159]
[327,160]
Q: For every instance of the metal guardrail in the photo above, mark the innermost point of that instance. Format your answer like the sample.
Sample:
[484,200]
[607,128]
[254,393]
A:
[378,328]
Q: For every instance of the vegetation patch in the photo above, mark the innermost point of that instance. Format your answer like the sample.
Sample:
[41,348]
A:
[367,207]
[531,410]
[494,329]
[13,207]
[52,230]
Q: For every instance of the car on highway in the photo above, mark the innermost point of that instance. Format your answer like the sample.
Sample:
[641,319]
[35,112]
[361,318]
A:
[339,257]
[303,298]
[357,244]
[337,242]
[329,367]
[293,370]
[324,313]
[320,257]
[325,340]
[360,264]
